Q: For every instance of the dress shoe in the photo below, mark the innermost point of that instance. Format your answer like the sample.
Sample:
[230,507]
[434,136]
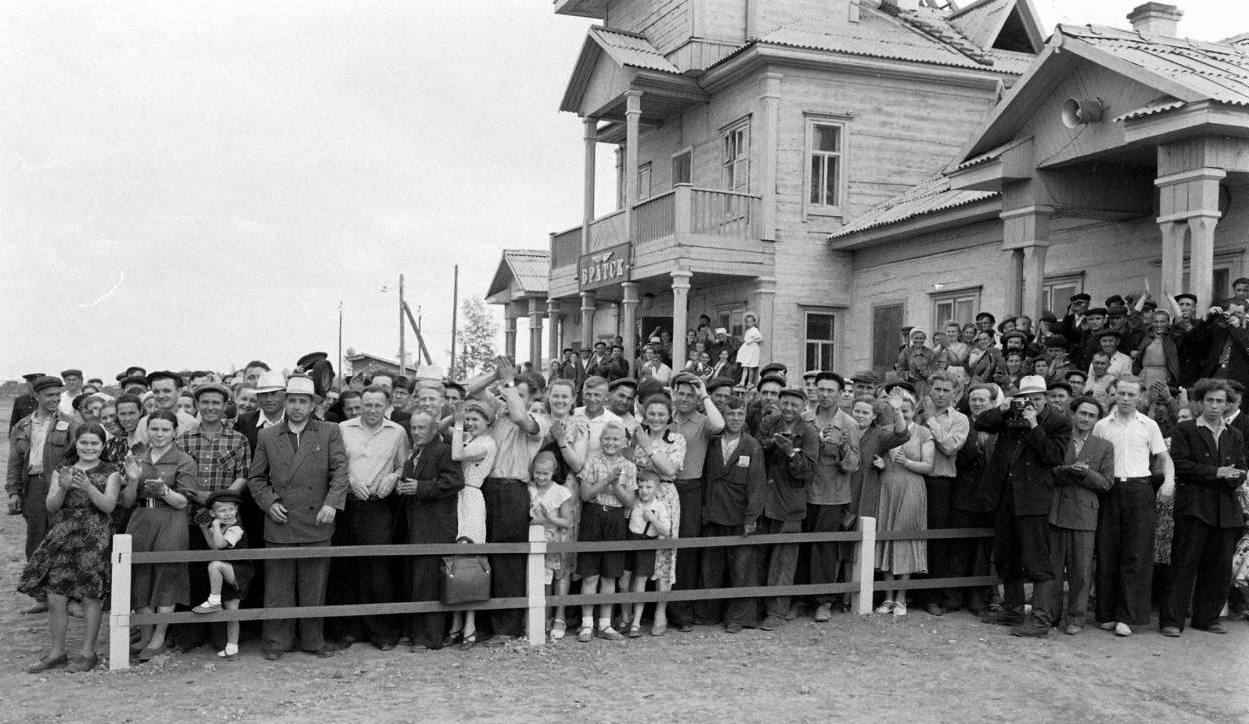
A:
[824,612]
[1215,628]
[50,663]
[272,654]
[81,664]
[1122,629]
[733,628]
[1073,629]
[1170,631]
[1004,617]
[935,609]
[771,623]
[1032,628]
[324,652]
[685,627]
[1108,625]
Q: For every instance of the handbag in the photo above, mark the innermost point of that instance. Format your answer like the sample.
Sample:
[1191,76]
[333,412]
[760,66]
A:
[465,579]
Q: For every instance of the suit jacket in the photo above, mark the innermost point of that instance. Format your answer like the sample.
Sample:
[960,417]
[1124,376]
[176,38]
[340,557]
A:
[432,511]
[17,480]
[1077,495]
[1199,492]
[246,424]
[734,490]
[303,479]
[973,491]
[1023,460]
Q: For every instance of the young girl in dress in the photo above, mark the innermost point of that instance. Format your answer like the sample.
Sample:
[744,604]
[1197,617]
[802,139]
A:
[748,353]
[475,449]
[648,519]
[569,443]
[227,582]
[551,506]
[72,561]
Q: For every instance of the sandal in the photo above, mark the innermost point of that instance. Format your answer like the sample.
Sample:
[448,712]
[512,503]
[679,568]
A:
[468,642]
[453,638]
[559,628]
[80,664]
[635,631]
[48,663]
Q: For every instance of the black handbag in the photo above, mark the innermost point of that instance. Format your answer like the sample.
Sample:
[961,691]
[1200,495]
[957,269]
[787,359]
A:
[465,579]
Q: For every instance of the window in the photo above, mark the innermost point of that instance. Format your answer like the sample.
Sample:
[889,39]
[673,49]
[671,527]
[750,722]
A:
[820,334]
[732,319]
[886,331]
[736,157]
[683,167]
[959,306]
[644,181]
[1222,282]
[1058,290]
[825,170]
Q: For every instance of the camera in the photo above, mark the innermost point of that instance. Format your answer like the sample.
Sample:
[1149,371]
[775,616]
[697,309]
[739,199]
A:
[1013,417]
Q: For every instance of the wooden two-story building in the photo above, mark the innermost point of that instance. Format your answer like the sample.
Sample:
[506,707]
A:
[745,133]
[1120,162]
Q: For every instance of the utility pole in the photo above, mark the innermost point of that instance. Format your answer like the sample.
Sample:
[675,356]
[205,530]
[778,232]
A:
[455,309]
[403,362]
[339,368]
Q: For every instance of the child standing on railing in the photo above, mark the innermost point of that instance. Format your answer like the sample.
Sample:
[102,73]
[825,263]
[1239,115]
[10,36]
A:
[608,484]
[551,506]
[648,519]
[227,582]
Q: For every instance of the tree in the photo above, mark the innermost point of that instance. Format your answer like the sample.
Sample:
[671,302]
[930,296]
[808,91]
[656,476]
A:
[475,337]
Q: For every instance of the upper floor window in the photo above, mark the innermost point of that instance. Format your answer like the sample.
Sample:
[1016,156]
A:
[736,157]
[682,167]
[825,168]
[644,181]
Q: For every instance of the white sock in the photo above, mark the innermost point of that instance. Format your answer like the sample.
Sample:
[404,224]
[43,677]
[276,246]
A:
[587,622]
[214,598]
[604,624]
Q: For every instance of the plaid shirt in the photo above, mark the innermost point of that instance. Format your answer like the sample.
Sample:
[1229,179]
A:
[219,460]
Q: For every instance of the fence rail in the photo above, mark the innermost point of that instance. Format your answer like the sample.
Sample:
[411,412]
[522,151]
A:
[536,601]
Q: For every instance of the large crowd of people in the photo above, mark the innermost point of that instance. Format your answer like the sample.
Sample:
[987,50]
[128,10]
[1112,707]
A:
[1106,449]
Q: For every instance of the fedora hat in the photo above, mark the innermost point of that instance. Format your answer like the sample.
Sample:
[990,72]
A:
[271,381]
[1031,384]
[300,385]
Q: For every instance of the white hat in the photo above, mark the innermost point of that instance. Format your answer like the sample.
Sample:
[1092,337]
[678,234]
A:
[721,330]
[300,385]
[271,381]
[1031,385]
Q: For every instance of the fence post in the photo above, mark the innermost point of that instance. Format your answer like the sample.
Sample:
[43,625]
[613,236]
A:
[865,565]
[119,606]
[535,586]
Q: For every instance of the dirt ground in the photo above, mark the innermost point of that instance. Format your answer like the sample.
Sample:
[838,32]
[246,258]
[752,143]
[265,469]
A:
[853,668]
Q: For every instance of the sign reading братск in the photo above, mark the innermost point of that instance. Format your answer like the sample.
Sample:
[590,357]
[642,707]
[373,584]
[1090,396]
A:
[604,267]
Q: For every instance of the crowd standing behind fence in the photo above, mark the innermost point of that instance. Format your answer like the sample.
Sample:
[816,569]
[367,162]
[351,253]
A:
[1111,434]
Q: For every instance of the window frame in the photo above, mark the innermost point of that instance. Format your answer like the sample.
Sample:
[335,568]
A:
[688,152]
[831,362]
[645,171]
[1058,281]
[891,351]
[841,122]
[953,297]
[729,168]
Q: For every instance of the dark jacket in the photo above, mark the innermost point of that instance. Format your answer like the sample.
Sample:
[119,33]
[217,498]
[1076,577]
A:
[17,480]
[1199,492]
[23,405]
[788,476]
[1169,351]
[303,479]
[973,491]
[432,510]
[1024,459]
[734,490]
[1077,496]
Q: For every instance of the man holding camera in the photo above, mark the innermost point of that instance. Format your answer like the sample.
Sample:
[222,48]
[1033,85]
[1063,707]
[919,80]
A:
[1032,440]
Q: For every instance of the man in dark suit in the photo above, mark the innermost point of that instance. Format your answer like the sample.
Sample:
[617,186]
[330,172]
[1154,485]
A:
[974,500]
[271,400]
[26,402]
[299,477]
[1209,457]
[736,482]
[1032,440]
[1088,470]
[428,491]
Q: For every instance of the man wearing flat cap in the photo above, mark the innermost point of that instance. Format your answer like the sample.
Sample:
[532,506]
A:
[26,402]
[299,477]
[37,447]
[1032,440]
[790,446]
[1108,344]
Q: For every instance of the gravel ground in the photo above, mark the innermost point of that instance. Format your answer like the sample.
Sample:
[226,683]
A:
[853,668]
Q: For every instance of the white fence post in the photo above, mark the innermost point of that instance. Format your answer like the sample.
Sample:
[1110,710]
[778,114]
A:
[535,586]
[865,565]
[119,606]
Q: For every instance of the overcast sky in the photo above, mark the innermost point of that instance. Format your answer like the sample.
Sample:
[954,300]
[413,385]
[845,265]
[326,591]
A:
[195,184]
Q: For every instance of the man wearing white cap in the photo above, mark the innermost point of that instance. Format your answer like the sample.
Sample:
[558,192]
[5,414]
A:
[1032,440]
[271,401]
[299,477]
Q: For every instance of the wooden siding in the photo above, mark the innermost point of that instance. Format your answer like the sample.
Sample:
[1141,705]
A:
[665,23]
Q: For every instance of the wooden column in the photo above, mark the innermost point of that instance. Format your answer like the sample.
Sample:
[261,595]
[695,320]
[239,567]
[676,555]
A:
[1201,262]
[633,117]
[589,302]
[1014,281]
[680,315]
[768,148]
[764,308]
[554,329]
[629,319]
[1189,199]
[1173,234]
[1034,281]
[587,215]
[535,334]
[509,334]
[1026,233]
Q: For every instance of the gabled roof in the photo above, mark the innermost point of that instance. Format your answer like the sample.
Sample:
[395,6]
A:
[983,20]
[627,50]
[922,36]
[928,197]
[529,267]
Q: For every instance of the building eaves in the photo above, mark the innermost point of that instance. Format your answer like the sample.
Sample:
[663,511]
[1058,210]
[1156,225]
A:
[929,197]
[632,50]
[1150,110]
[531,268]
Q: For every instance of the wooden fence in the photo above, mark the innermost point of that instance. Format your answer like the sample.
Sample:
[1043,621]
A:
[861,585]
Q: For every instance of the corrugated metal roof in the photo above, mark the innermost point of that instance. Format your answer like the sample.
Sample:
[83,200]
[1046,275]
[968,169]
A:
[981,20]
[990,155]
[632,50]
[928,197]
[1215,71]
[530,267]
[1149,110]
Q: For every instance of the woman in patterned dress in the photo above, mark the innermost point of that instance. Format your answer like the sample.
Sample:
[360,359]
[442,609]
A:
[72,562]
[903,503]
[659,455]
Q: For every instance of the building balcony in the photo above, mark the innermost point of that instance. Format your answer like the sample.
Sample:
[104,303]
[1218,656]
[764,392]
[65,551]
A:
[703,230]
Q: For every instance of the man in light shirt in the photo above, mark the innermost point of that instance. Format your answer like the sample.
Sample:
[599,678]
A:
[1125,536]
[949,429]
